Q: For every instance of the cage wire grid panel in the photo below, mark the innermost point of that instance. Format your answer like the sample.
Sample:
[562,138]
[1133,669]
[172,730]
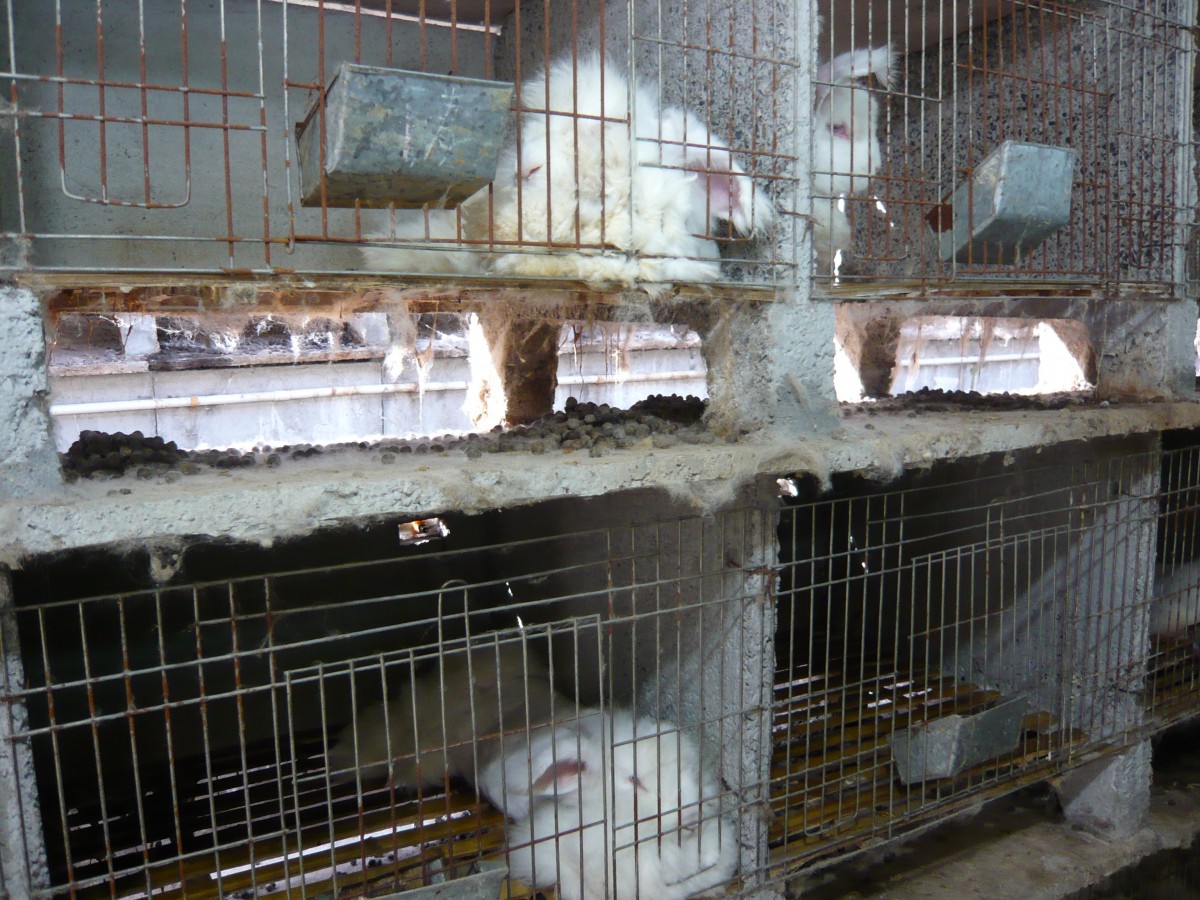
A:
[958,638]
[286,135]
[992,139]
[232,738]
[1175,651]
[1039,141]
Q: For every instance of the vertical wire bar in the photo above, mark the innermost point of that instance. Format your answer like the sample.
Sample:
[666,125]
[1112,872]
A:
[323,706]
[131,715]
[279,721]
[240,704]
[321,106]
[145,106]
[56,749]
[207,742]
[93,722]
[262,137]
[23,859]
[1185,150]
[172,766]
[101,98]
[225,131]
[14,97]
[287,117]
[298,826]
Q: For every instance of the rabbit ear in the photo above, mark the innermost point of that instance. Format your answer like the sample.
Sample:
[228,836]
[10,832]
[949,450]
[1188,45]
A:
[858,64]
[723,187]
[821,82]
[560,777]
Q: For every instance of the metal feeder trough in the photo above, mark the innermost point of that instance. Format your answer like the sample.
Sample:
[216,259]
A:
[482,883]
[944,747]
[1019,195]
[402,138]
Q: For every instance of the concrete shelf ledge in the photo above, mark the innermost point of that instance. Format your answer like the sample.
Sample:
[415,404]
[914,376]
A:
[264,504]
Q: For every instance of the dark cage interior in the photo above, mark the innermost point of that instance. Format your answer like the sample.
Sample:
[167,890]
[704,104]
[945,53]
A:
[959,631]
[1175,647]
[212,732]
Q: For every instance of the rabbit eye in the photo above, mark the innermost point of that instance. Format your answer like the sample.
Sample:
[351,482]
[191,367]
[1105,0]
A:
[532,172]
[840,129]
[637,783]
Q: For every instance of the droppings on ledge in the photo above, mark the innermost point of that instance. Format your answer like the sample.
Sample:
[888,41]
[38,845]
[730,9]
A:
[656,422]
[936,400]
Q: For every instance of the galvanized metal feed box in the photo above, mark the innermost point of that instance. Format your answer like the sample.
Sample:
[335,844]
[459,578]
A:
[402,138]
[1018,196]
[944,747]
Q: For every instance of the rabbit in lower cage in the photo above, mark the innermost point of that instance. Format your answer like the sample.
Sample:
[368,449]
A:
[582,197]
[600,803]
[612,804]
[846,150]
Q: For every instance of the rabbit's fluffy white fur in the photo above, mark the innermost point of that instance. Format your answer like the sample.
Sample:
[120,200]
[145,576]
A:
[846,150]
[612,804]
[579,196]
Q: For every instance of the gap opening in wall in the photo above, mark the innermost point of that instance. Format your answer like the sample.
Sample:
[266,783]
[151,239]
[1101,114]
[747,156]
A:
[267,379]
[893,356]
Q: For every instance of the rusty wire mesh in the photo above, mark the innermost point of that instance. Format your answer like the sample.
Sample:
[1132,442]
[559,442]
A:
[953,635]
[210,738]
[161,138]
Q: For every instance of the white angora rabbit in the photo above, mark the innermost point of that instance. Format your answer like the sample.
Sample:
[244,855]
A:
[845,142]
[594,190]
[613,805]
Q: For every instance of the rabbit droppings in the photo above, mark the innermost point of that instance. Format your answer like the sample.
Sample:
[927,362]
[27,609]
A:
[846,149]
[577,181]
[612,804]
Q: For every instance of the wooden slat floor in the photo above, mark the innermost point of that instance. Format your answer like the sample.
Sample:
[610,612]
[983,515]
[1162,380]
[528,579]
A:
[833,785]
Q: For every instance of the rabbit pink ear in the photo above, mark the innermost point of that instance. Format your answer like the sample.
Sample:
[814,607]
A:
[730,196]
[724,189]
[561,776]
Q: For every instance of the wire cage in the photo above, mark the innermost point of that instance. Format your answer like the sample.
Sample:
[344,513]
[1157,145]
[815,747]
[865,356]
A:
[1175,642]
[1039,141]
[324,720]
[1031,140]
[953,635]
[261,136]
